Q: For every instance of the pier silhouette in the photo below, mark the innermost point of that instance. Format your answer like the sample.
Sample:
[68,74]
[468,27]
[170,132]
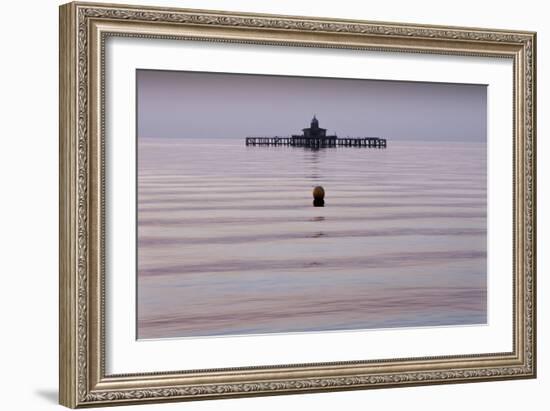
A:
[316,137]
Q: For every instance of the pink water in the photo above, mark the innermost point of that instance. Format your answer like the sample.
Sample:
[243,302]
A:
[229,242]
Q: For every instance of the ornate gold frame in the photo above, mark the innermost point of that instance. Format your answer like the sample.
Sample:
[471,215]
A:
[83,30]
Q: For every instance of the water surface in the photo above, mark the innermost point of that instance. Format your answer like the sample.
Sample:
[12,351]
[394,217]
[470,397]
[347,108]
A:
[229,242]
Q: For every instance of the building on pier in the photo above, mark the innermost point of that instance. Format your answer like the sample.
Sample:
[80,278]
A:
[315,135]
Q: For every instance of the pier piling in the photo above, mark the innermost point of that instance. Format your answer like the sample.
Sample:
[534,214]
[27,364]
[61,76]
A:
[368,142]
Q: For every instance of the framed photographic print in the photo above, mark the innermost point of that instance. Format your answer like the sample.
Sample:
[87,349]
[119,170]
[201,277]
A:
[259,204]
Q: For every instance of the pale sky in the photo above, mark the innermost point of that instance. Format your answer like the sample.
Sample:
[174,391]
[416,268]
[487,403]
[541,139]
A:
[179,104]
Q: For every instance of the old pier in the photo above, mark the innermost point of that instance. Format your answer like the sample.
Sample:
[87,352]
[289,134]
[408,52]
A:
[316,137]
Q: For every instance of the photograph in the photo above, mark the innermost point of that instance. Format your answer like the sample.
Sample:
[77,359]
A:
[290,204]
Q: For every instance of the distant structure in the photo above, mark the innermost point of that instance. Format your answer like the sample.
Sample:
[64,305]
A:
[316,137]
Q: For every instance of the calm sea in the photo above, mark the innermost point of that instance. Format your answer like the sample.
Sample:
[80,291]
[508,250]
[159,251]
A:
[229,242]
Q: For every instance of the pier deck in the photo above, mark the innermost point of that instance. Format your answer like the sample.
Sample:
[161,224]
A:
[369,142]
